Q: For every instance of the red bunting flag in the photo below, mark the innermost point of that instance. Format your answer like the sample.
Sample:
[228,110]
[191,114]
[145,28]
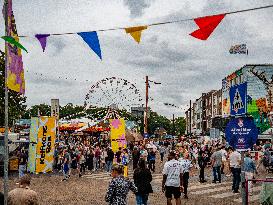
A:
[206,26]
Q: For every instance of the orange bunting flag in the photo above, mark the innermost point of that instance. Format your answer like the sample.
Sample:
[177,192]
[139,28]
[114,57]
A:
[135,32]
[206,26]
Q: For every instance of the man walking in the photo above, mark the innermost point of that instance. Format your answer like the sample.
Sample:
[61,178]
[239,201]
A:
[235,167]
[109,159]
[22,163]
[172,183]
[216,163]
[249,168]
[186,165]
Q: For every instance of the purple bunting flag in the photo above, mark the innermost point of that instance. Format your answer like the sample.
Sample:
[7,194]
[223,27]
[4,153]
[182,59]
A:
[42,39]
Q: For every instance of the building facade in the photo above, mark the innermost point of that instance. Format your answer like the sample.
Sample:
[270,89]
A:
[259,103]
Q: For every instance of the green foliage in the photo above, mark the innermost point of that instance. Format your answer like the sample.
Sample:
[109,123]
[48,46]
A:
[180,126]
[158,121]
[16,101]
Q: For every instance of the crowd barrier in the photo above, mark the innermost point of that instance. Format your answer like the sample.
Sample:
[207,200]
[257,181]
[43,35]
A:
[266,196]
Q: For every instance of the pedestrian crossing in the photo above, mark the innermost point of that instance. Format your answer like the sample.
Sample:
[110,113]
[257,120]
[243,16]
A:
[219,191]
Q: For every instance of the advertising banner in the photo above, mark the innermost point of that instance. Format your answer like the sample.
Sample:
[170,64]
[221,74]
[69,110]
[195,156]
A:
[33,137]
[241,133]
[238,99]
[226,99]
[55,108]
[45,144]
[118,134]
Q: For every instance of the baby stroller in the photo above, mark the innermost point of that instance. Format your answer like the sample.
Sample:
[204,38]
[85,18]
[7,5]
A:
[268,164]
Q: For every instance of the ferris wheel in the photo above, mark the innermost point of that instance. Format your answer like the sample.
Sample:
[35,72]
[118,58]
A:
[113,92]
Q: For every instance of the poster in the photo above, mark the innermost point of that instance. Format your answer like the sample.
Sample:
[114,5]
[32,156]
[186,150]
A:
[238,99]
[33,136]
[241,133]
[55,108]
[118,134]
[226,99]
[45,144]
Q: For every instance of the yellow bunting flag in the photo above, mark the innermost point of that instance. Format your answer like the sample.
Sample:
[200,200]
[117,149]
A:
[135,32]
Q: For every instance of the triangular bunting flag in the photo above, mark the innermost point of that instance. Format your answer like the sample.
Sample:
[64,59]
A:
[206,25]
[42,39]
[135,32]
[92,40]
[12,41]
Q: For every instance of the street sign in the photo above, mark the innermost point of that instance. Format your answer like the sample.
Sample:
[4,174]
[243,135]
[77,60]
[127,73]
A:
[238,99]
[241,133]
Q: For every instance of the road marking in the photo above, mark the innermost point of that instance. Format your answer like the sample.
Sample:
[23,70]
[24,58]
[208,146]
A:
[208,191]
[229,194]
[201,186]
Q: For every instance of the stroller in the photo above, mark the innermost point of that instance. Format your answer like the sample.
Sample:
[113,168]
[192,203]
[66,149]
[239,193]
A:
[268,163]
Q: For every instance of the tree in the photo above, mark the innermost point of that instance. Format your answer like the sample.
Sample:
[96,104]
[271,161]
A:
[180,126]
[42,109]
[158,121]
[16,100]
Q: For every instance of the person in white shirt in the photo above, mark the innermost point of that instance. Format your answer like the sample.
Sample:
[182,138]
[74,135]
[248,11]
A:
[186,165]
[224,159]
[172,183]
[235,167]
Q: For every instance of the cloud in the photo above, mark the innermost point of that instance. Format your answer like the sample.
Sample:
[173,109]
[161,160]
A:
[137,7]
[185,66]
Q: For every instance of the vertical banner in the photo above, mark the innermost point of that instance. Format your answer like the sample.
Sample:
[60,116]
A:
[118,134]
[45,144]
[16,79]
[33,136]
[55,108]
[238,99]
[226,98]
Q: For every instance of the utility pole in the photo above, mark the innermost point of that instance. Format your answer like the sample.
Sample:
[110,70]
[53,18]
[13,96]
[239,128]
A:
[173,125]
[6,148]
[146,106]
[190,117]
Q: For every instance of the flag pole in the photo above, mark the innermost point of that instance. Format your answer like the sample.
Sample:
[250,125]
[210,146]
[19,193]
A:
[6,148]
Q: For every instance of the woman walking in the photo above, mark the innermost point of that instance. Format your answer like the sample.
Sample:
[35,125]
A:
[142,179]
[119,187]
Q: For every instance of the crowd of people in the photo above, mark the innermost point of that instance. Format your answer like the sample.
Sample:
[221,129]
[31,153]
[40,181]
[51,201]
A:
[76,156]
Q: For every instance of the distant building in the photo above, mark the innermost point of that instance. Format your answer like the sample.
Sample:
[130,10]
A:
[207,101]
[198,116]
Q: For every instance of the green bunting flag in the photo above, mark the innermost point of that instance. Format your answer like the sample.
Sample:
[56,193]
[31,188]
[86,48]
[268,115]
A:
[12,41]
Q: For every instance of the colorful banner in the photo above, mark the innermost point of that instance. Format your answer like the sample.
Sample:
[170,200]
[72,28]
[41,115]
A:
[45,144]
[135,32]
[238,99]
[206,26]
[42,38]
[92,40]
[16,79]
[226,99]
[33,136]
[118,134]
[238,49]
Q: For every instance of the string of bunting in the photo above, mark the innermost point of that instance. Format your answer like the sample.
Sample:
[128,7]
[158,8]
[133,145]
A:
[15,77]
[206,24]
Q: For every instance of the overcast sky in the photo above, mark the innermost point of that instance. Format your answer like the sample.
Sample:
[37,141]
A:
[185,66]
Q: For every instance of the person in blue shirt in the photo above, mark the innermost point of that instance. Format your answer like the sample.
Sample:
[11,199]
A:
[249,168]
[151,159]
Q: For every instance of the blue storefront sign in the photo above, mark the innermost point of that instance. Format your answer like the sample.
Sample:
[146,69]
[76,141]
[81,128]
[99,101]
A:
[241,133]
[238,99]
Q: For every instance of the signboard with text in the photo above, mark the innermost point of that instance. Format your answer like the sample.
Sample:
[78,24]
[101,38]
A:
[238,99]
[241,133]
[55,108]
